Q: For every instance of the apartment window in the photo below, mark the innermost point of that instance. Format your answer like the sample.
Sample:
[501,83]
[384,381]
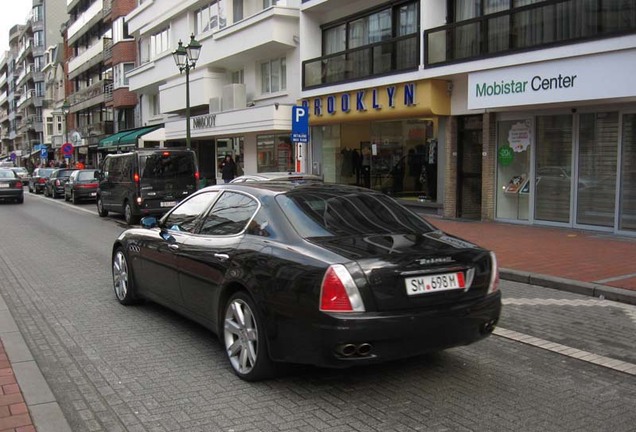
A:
[237,10]
[273,76]
[238,77]
[49,126]
[120,71]
[120,30]
[39,89]
[38,38]
[210,17]
[37,13]
[159,42]
[155,108]
[58,123]
[269,3]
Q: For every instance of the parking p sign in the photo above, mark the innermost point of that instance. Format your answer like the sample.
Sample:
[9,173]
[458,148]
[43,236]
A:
[300,124]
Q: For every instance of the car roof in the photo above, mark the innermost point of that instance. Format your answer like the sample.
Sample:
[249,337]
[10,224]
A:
[277,176]
[276,187]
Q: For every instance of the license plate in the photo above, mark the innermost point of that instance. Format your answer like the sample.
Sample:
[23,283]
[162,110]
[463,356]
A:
[168,203]
[430,284]
[4,185]
[93,193]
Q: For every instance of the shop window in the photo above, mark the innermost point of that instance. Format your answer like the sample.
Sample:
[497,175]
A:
[275,153]
[627,195]
[514,140]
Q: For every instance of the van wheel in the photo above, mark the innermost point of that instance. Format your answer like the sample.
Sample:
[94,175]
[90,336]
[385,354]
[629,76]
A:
[128,214]
[101,211]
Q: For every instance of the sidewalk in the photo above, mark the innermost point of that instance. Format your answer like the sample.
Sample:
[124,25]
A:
[585,262]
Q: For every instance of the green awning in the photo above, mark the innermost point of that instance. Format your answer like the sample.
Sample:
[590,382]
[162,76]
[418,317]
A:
[125,138]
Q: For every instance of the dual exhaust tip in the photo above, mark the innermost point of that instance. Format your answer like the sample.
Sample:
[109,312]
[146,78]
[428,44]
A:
[354,350]
[488,327]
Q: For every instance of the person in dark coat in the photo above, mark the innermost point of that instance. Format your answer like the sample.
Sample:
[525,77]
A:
[228,169]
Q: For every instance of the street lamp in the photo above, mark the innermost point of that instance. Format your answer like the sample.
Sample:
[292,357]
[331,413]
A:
[66,107]
[186,59]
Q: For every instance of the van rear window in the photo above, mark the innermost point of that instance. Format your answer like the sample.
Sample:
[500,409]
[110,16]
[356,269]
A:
[166,165]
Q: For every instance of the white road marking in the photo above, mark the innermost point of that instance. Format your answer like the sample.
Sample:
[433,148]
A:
[607,362]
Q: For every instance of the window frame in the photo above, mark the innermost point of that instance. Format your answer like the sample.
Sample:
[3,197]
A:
[268,80]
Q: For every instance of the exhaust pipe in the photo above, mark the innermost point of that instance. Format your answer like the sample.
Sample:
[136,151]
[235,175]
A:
[346,350]
[364,349]
[488,327]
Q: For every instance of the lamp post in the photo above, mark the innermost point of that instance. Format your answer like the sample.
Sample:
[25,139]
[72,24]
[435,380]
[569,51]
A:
[66,107]
[186,59]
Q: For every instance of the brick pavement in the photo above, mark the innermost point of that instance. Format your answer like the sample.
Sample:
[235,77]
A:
[14,414]
[568,253]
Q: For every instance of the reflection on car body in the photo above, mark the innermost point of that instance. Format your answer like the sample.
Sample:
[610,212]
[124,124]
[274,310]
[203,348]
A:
[315,273]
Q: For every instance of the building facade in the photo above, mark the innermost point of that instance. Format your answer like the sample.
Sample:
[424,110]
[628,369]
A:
[529,105]
[242,88]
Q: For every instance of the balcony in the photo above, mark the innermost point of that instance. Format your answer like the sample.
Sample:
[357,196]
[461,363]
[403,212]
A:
[89,96]
[539,25]
[28,47]
[85,21]
[383,58]
[89,58]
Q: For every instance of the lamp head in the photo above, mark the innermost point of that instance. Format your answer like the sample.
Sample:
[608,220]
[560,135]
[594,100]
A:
[66,107]
[180,56]
[194,50]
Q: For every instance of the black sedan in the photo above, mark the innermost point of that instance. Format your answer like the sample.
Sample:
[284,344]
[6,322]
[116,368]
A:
[81,186]
[38,179]
[315,273]
[54,186]
[11,186]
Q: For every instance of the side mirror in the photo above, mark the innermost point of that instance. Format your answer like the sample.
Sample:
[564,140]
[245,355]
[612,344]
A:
[149,222]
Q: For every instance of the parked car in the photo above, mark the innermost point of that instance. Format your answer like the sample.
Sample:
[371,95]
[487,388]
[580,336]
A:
[81,186]
[323,274]
[38,179]
[23,173]
[54,186]
[293,177]
[146,182]
[11,187]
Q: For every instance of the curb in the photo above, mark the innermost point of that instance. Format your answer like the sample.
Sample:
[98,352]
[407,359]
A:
[44,410]
[573,286]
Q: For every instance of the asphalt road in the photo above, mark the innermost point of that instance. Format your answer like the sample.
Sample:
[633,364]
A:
[144,368]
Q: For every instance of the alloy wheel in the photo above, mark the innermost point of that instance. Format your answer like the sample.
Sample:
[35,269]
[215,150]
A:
[120,275]
[241,336]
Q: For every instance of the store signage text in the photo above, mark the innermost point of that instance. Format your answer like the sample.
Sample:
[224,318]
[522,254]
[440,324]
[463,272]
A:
[356,101]
[537,83]
[204,121]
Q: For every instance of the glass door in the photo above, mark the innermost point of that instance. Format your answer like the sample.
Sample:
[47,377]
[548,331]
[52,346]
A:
[553,168]
[597,167]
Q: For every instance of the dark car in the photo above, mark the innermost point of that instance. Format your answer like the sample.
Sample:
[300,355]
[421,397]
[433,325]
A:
[293,177]
[146,182]
[11,186]
[54,186]
[81,186]
[38,179]
[322,274]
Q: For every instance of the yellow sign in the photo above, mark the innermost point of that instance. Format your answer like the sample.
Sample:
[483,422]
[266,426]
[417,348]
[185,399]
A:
[415,99]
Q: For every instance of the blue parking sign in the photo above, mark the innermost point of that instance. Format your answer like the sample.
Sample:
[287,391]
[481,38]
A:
[44,152]
[300,124]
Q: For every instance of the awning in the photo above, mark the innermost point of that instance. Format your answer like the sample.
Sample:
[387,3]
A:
[33,153]
[125,138]
[156,135]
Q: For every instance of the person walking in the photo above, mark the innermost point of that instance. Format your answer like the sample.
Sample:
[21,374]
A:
[228,169]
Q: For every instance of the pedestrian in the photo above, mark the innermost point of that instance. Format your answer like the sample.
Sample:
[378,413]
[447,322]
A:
[228,169]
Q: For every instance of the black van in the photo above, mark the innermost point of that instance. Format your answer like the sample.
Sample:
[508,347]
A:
[146,182]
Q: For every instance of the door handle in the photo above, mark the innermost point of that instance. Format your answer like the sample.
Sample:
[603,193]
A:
[173,246]
[221,256]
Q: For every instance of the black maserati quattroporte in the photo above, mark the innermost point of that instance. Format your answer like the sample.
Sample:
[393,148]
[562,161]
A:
[313,273]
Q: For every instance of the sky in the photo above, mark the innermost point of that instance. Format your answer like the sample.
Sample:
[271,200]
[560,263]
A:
[12,12]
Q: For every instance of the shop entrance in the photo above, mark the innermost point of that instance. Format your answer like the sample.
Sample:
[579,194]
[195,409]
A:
[469,148]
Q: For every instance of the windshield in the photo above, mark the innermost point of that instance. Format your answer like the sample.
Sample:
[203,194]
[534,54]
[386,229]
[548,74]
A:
[166,165]
[320,212]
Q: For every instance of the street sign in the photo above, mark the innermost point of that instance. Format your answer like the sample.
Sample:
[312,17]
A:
[67,149]
[44,152]
[300,124]
[12,156]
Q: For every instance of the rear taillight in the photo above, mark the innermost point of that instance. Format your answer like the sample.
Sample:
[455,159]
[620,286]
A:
[494,276]
[86,185]
[42,180]
[57,182]
[18,184]
[136,178]
[339,292]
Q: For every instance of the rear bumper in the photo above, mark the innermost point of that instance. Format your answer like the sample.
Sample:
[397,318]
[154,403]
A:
[389,336]
[11,193]
[85,194]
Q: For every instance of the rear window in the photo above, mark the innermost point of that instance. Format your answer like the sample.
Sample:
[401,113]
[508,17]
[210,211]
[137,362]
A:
[86,175]
[166,165]
[320,212]
[45,172]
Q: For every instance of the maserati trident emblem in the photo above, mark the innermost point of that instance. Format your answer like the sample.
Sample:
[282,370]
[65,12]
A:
[425,261]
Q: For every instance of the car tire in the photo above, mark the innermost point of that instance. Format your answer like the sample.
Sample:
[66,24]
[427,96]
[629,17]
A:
[20,200]
[123,280]
[101,211]
[244,339]
[74,199]
[130,218]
